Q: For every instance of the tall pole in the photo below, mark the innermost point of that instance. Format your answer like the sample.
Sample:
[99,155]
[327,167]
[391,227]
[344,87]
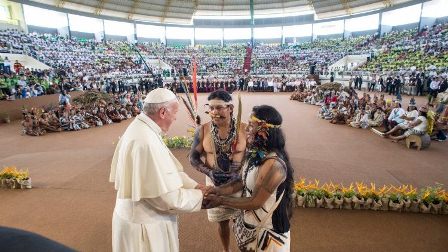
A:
[380,21]
[252,22]
[420,20]
[68,26]
[133,47]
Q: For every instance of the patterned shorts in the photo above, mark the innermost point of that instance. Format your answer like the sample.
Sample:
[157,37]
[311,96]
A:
[219,214]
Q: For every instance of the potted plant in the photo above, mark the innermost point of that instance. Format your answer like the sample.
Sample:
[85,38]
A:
[7,176]
[300,197]
[2,180]
[432,200]
[348,193]
[445,202]
[338,199]
[359,197]
[310,198]
[312,191]
[23,179]
[319,194]
[396,201]
[328,196]
[426,200]
[411,200]
[299,188]
[384,196]
[373,200]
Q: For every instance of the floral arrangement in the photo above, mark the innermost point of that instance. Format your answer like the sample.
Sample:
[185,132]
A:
[404,198]
[178,142]
[12,178]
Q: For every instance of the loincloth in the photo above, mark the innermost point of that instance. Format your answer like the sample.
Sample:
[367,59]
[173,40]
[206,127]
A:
[219,214]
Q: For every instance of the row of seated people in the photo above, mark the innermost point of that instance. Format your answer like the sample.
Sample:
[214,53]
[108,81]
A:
[29,83]
[377,112]
[65,117]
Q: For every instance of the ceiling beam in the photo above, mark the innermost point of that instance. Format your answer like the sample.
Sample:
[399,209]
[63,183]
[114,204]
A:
[222,7]
[387,3]
[100,7]
[165,10]
[195,6]
[133,8]
[347,8]
[60,3]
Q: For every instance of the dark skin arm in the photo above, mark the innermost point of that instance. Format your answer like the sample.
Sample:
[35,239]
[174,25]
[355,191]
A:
[271,175]
[196,151]
[227,189]
[195,160]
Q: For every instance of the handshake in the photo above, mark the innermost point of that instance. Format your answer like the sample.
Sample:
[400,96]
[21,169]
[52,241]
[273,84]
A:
[211,196]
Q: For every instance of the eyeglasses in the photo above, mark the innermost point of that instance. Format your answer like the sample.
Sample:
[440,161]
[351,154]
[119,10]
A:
[218,107]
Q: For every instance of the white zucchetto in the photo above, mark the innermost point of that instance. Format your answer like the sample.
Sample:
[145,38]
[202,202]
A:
[160,95]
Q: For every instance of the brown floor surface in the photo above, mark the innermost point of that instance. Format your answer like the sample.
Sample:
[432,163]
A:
[72,202]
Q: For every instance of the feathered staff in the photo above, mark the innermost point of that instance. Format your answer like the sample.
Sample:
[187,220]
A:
[238,121]
[189,105]
[195,84]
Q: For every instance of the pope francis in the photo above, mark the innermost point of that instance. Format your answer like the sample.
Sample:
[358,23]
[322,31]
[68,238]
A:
[151,185]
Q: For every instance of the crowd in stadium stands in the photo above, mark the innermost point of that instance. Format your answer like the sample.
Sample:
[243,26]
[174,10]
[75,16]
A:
[409,52]
[346,107]
[298,58]
[76,65]
[68,117]
[210,59]
[114,66]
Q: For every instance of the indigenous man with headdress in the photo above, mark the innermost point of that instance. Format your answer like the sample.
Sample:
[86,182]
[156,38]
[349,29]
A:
[222,142]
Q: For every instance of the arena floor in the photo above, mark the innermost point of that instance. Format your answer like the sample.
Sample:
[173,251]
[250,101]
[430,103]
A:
[72,200]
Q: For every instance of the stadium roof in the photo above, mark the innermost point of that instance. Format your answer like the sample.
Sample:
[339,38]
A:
[183,11]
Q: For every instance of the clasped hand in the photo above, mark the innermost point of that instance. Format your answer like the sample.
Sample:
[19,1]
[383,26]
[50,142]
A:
[220,177]
[211,198]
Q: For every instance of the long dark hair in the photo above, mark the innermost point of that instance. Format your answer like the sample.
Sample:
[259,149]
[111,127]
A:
[275,142]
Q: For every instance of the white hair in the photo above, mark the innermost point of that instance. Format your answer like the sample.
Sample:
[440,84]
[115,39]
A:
[154,108]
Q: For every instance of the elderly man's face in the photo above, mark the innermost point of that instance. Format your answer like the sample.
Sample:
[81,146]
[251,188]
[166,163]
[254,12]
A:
[169,115]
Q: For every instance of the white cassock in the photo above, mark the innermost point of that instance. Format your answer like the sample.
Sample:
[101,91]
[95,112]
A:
[151,190]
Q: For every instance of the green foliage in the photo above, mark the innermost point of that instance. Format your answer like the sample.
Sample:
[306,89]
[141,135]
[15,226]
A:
[315,193]
[349,193]
[396,197]
[338,195]
[301,192]
[431,194]
[373,195]
[177,142]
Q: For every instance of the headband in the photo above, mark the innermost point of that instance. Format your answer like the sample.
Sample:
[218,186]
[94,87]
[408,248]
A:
[216,102]
[269,125]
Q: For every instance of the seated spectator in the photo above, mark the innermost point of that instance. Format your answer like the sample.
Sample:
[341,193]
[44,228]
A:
[417,127]
[394,117]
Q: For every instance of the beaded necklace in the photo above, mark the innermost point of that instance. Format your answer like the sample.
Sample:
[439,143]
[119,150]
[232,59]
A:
[223,146]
